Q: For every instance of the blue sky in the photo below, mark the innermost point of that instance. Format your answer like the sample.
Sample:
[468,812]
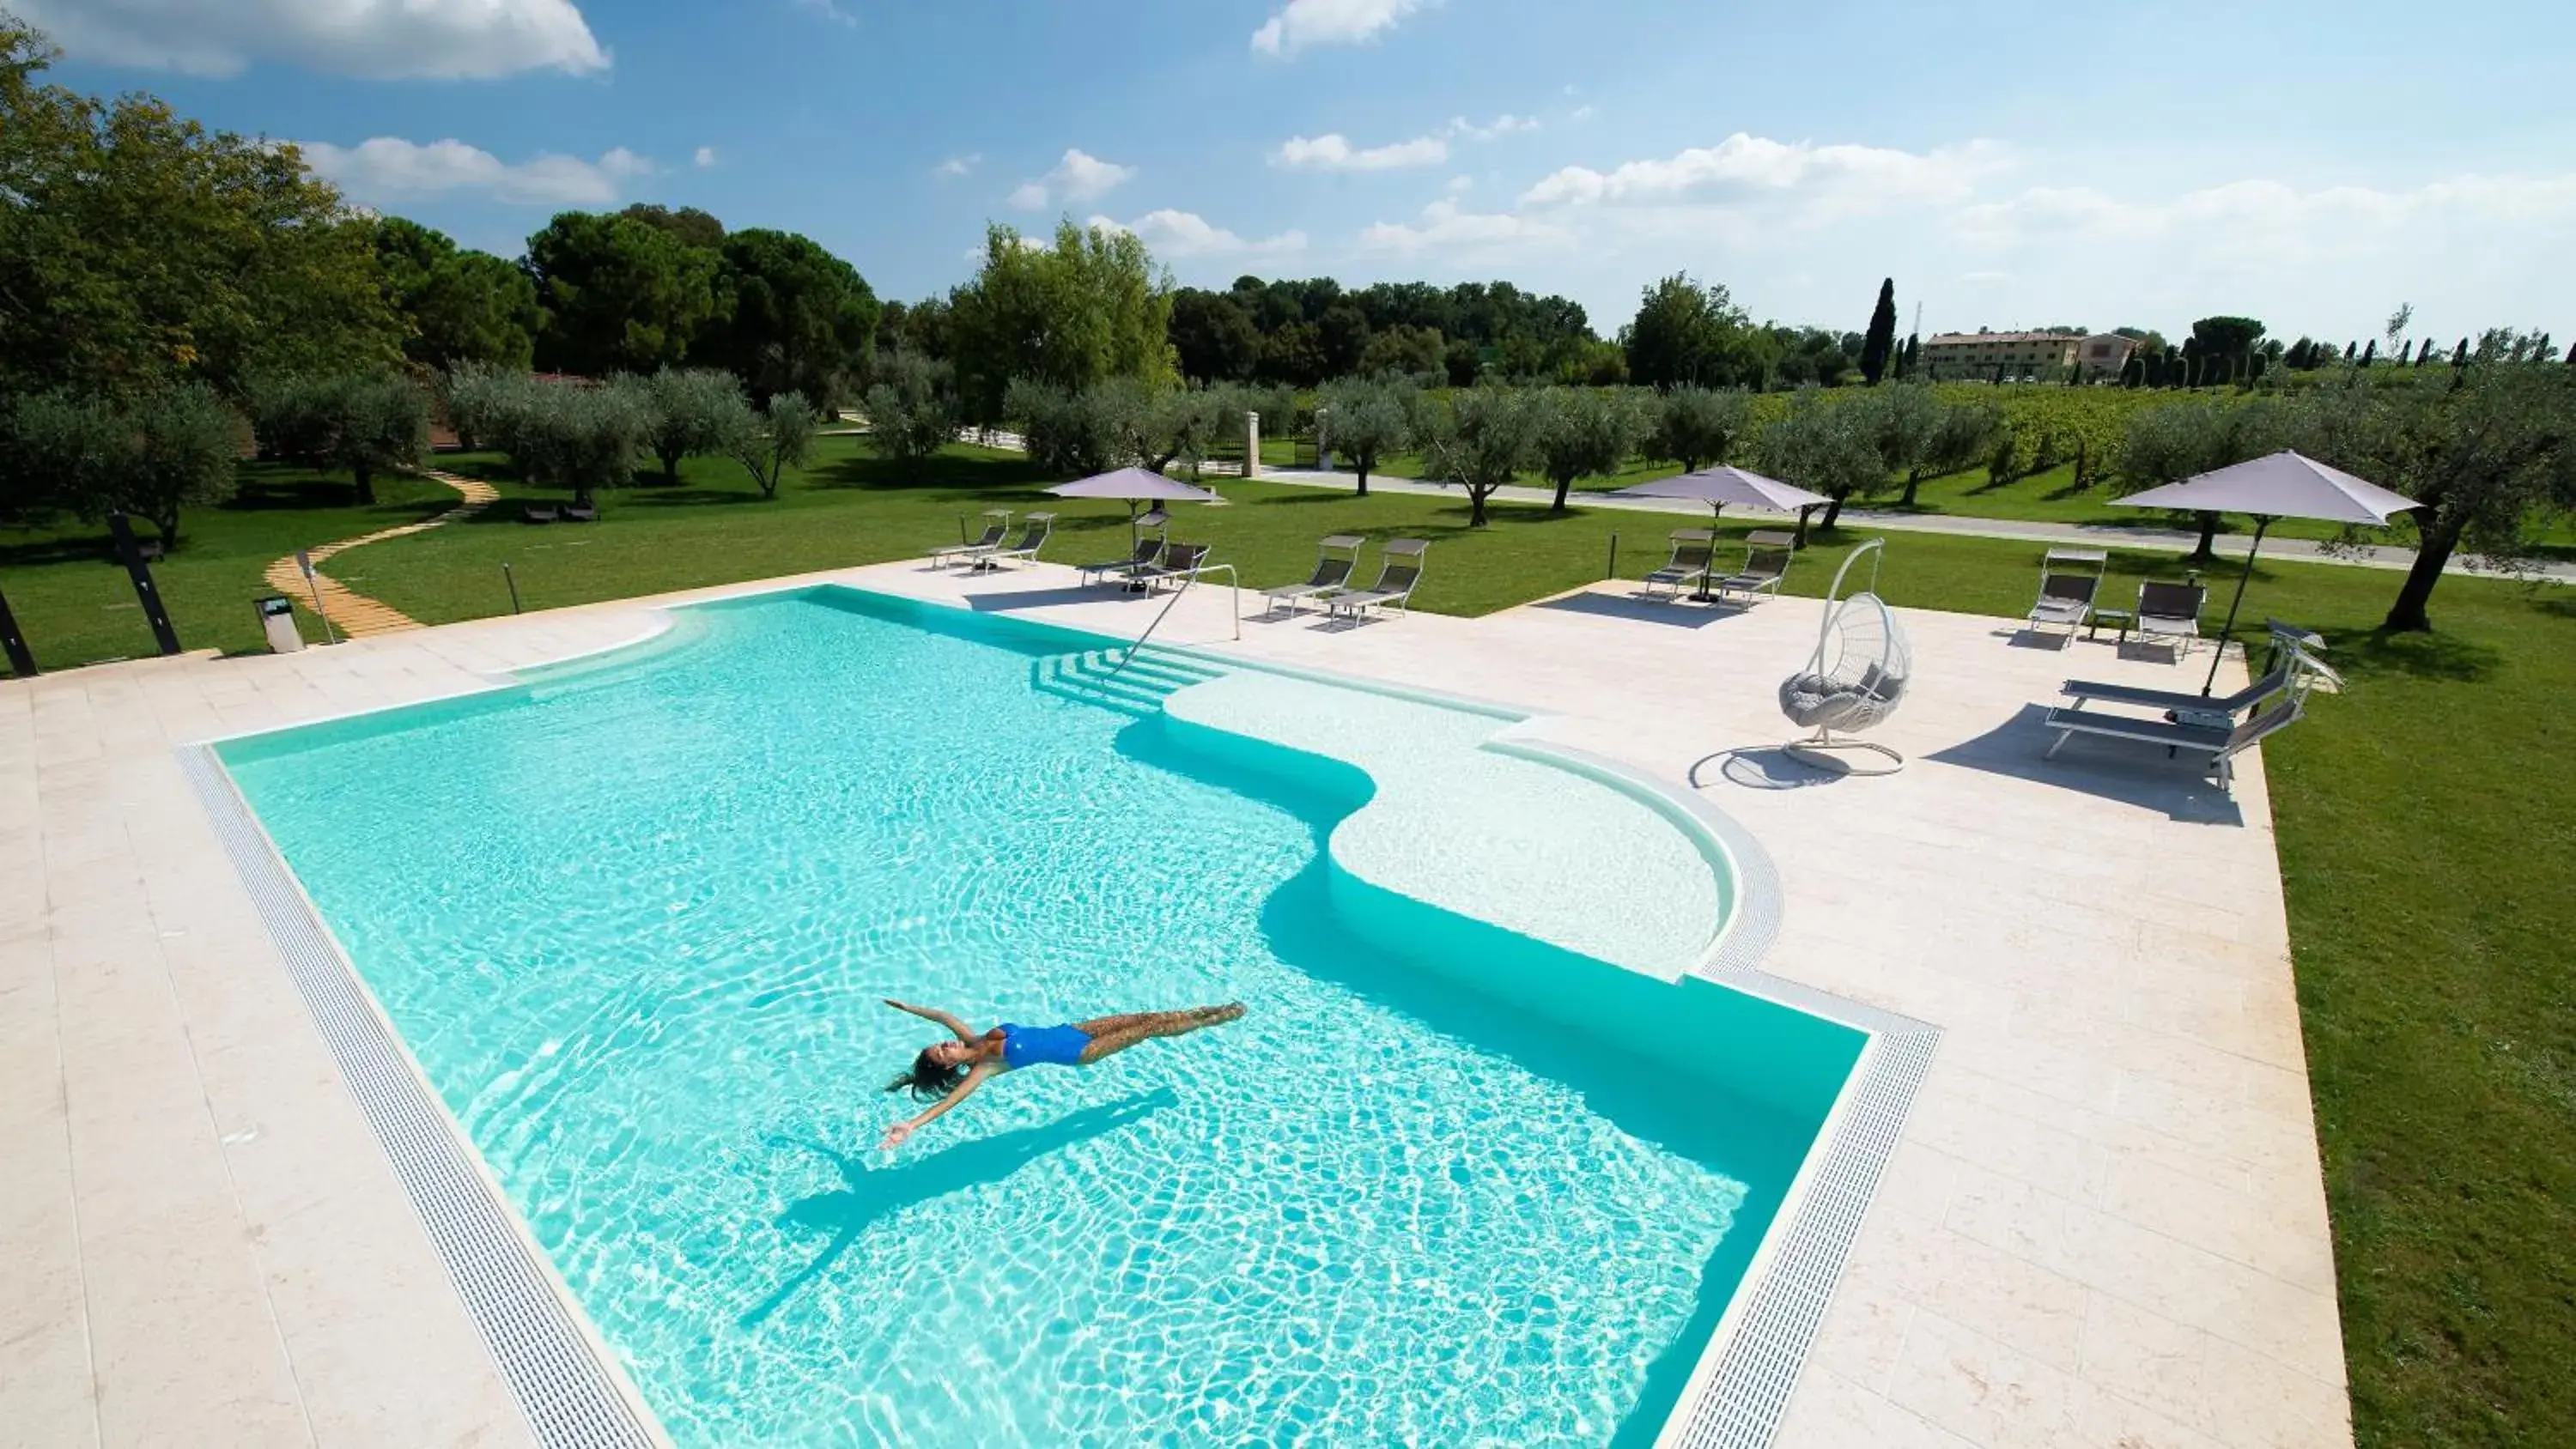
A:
[2010,164]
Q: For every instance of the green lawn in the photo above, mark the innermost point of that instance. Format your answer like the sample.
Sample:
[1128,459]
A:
[2424,817]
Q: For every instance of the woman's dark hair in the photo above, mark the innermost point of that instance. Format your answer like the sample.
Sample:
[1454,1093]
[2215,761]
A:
[927,1080]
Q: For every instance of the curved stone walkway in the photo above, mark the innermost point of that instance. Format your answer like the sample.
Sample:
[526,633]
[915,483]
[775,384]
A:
[352,613]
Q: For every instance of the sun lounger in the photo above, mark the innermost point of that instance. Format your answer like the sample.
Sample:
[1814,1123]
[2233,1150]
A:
[536,513]
[2296,674]
[2068,580]
[1687,567]
[1766,563]
[581,513]
[1399,573]
[2220,743]
[2169,614]
[1148,549]
[1033,536]
[1335,557]
[1180,561]
[997,524]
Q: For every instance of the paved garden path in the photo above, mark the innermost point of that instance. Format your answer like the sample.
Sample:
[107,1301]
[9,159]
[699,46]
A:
[351,612]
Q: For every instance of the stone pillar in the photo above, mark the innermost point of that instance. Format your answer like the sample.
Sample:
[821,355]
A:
[1252,445]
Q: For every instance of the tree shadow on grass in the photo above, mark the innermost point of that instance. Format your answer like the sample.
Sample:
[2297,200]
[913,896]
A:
[2433,656]
[937,474]
[870,1194]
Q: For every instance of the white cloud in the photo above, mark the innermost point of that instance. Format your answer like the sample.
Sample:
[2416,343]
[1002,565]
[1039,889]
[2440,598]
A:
[830,10]
[1078,177]
[960,165]
[387,168]
[1580,113]
[1302,23]
[1457,234]
[1187,234]
[377,39]
[1336,153]
[1459,185]
[1503,125]
[706,157]
[1839,180]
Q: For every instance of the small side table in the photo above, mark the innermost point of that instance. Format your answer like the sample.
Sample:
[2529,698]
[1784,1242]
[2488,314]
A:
[2125,617]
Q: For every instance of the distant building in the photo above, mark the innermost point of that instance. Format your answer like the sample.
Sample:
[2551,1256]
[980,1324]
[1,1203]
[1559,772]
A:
[2105,353]
[2013,356]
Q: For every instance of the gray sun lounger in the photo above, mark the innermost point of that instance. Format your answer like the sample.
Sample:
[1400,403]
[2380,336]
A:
[1179,561]
[2068,580]
[1766,564]
[1399,573]
[1689,565]
[1033,536]
[1335,557]
[2221,744]
[2295,673]
[997,526]
[1146,551]
[2169,614]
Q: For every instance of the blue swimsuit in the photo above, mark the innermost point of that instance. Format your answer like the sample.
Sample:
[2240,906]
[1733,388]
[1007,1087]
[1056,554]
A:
[1054,1046]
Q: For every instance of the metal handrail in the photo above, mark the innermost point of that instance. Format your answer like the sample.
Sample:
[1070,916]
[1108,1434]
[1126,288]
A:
[1233,578]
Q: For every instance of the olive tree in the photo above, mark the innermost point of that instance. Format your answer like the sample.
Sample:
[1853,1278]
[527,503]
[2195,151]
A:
[1700,427]
[688,412]
[1482,440]
[1829,448]
[1585,433]
[779,437]
[166,448]
[1960,439]
[912,408]
[1365,419]
[1068,431]
[364,423]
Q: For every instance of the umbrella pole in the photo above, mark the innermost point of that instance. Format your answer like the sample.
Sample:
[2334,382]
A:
[1715,510]
[2210,686]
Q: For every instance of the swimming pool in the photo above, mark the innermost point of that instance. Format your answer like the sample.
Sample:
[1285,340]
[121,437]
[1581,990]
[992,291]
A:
[632,919]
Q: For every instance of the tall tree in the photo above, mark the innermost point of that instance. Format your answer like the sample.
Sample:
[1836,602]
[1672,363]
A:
[1365,419]
[1343,331]
[456,305]
[1912,357]
[621,295]
[1686,333]
[689,225]
[2370,353]
[1875,347]
[138,249]
[792,317]
[2396,333]
[1093,305]
[2224,345]
[1213,338]
[1403,348]
[2424,354]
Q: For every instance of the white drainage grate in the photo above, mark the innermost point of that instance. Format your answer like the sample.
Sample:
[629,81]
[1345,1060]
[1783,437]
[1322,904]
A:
[570,1397]
[1740,1405]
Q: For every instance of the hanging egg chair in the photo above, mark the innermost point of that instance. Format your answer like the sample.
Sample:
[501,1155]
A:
[1854,680]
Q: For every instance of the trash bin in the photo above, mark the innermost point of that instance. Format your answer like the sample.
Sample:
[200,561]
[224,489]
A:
[277,616]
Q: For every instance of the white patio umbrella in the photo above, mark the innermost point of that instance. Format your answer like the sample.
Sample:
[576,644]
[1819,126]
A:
[1717,487]
[2276,486]
[1134,486]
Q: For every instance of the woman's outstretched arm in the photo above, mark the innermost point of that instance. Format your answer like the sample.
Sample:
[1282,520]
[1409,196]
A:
[932,1013]
[898,1132]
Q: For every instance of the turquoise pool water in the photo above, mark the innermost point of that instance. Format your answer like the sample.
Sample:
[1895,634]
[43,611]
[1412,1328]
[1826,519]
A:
[634,918]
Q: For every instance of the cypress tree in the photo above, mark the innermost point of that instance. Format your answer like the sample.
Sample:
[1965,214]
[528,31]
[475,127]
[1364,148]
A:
[2370,354]
[2571,354]
[2351,352]
[2461,357]
[1912,357]
[2424,354]
[1882,334]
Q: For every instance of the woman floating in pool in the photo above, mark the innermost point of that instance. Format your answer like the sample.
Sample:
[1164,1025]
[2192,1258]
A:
[951,1070]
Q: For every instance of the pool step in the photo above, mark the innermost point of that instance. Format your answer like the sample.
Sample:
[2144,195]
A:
[1094,677]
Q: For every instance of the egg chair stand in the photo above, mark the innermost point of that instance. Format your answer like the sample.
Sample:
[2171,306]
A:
[1853,681]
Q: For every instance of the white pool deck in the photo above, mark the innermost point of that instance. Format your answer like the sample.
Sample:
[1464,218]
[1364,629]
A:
[2105,1224]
